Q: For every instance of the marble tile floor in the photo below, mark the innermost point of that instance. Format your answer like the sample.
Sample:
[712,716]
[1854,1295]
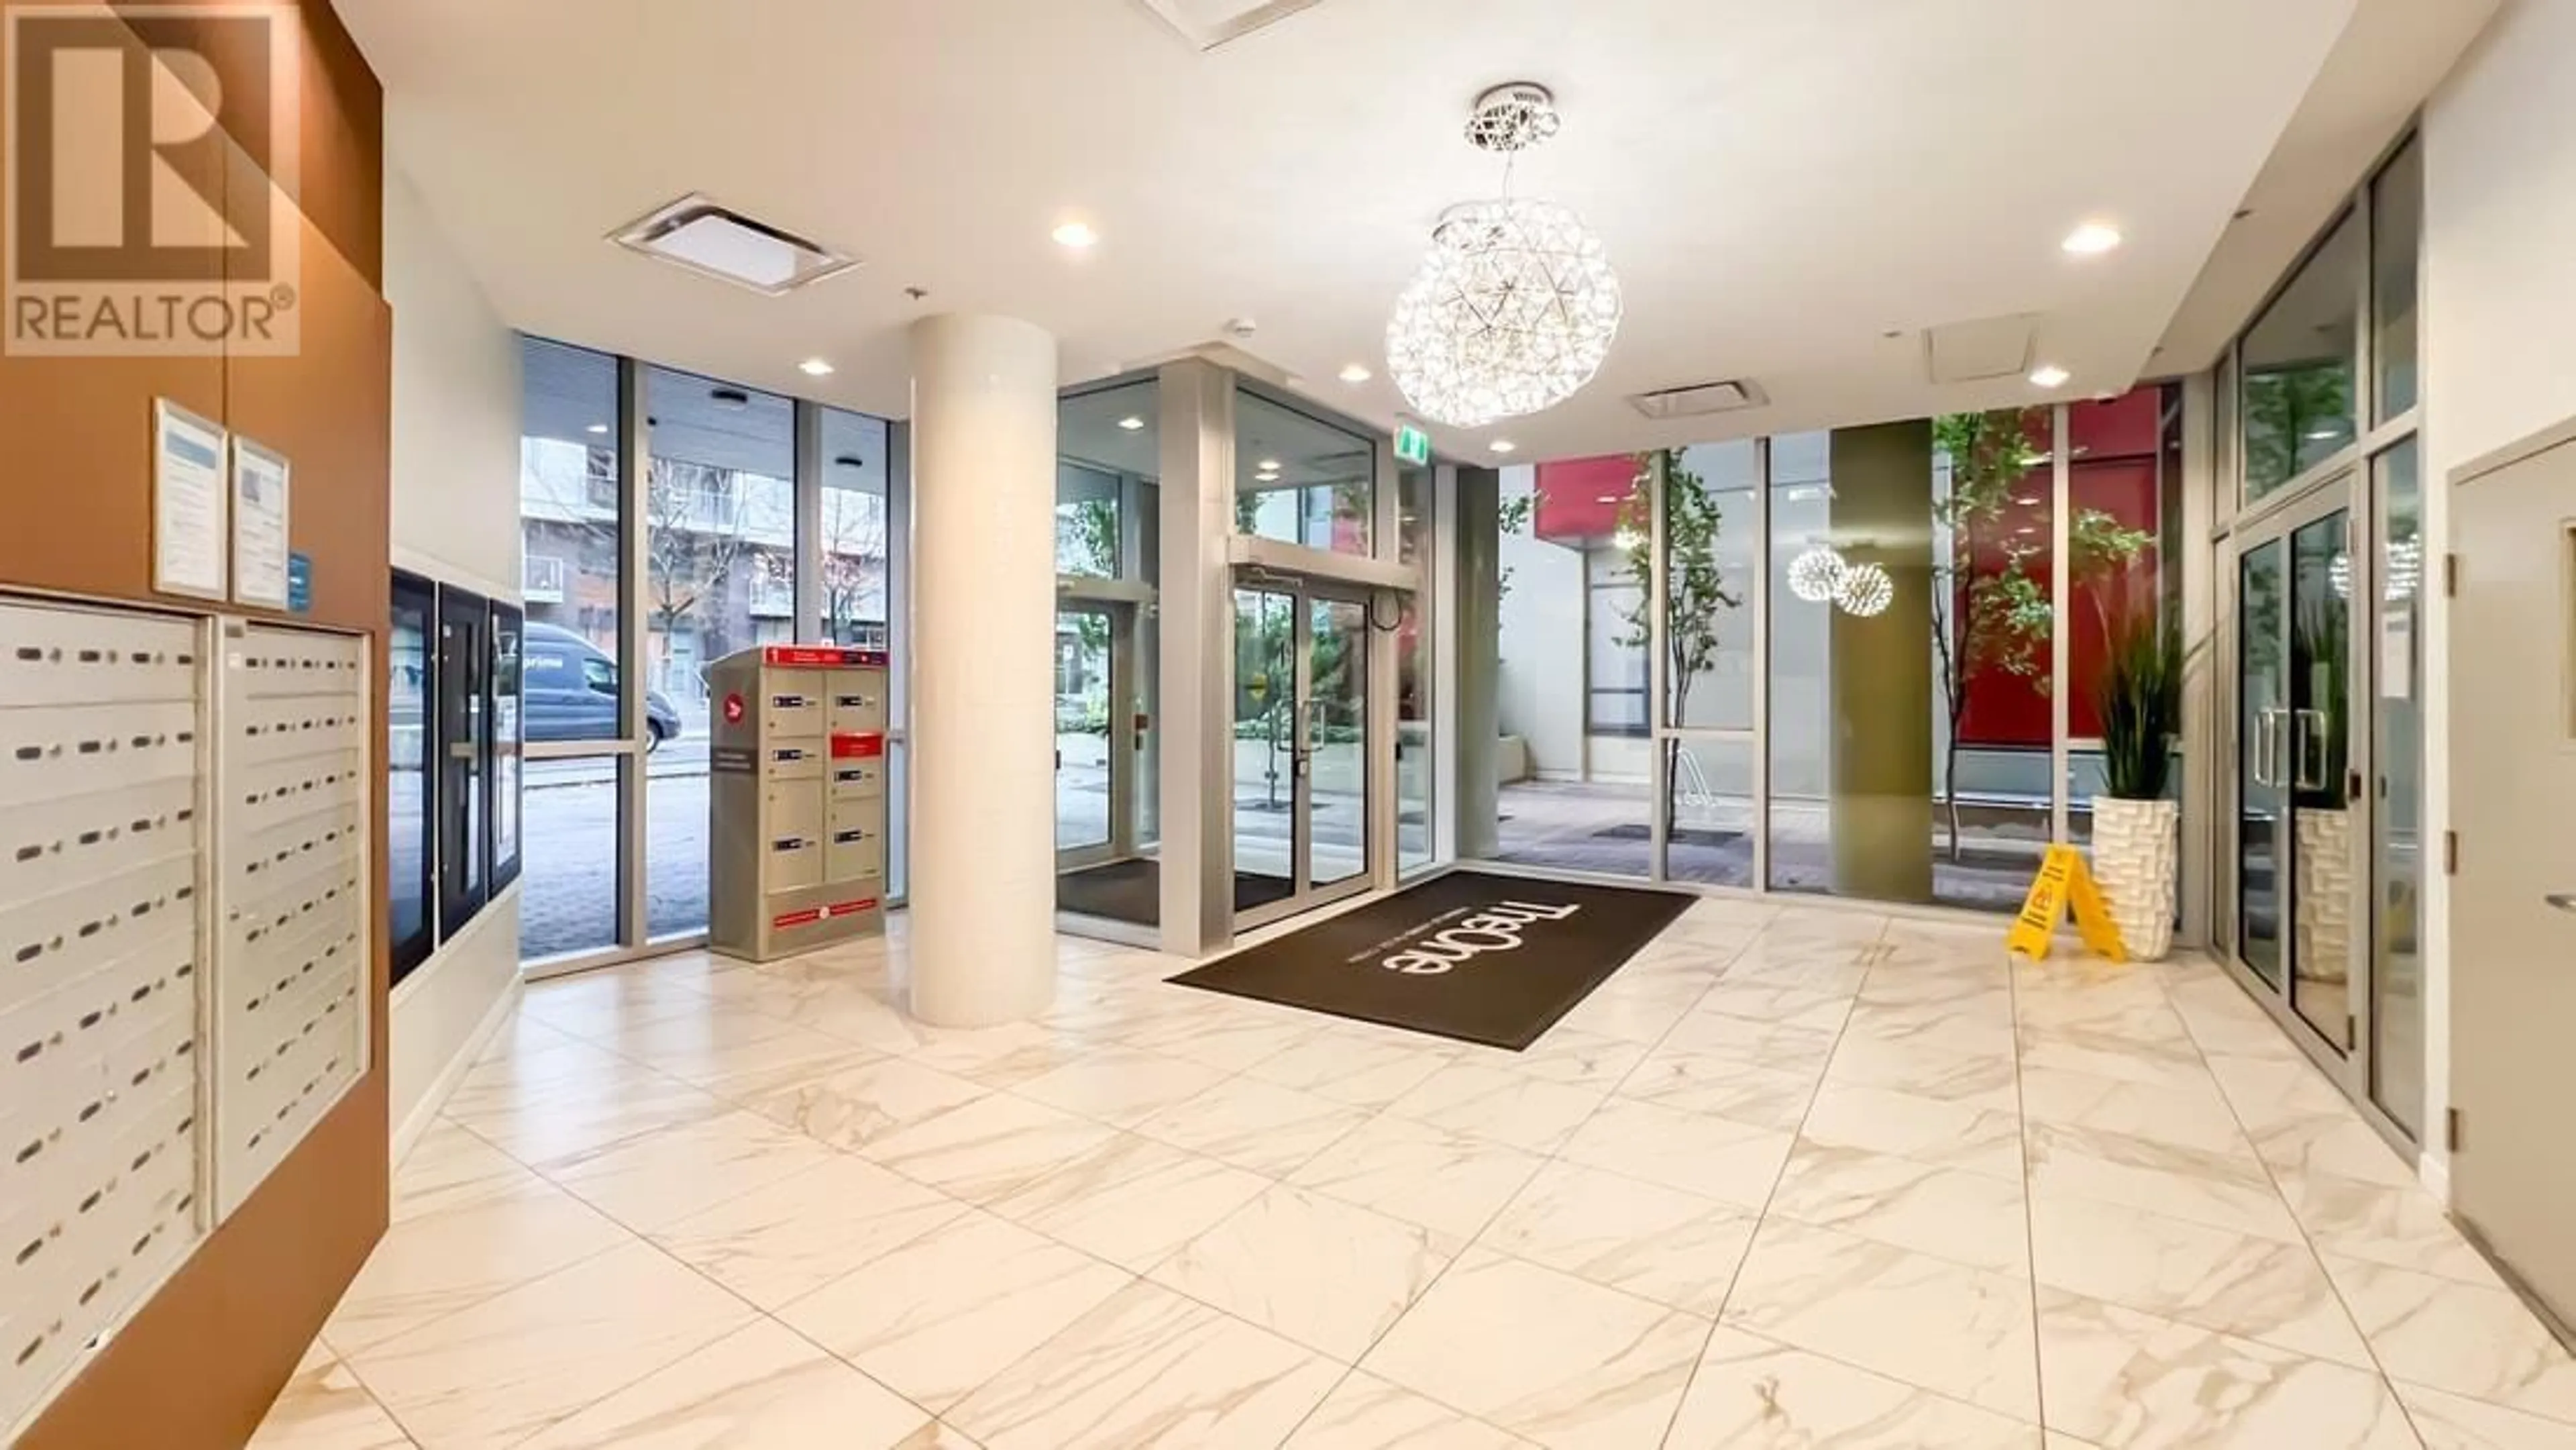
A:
[1793,1177]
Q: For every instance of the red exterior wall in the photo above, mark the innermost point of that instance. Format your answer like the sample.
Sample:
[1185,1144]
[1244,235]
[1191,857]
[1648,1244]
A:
[1580,498]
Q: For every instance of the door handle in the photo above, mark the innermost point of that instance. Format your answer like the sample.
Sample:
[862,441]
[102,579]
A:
[2563,900]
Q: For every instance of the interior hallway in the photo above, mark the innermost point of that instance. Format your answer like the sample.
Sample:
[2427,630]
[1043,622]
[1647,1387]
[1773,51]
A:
[1794,1176]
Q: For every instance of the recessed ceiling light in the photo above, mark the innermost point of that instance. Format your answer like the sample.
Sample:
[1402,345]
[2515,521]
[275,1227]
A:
[815,367]
[2050,376]
[1270,465]
[1076,235]
[2092,239]
[598,427]
[1131,424]
[1356,374]
[1502,445]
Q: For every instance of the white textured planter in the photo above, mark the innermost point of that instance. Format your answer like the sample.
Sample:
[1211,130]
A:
[2135,846]
[2323,888]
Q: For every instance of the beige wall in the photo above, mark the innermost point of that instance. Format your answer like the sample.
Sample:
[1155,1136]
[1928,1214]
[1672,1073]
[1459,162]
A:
[2499,307]
[456,409]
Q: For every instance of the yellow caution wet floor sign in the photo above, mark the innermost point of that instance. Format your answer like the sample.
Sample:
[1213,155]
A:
[2064,882]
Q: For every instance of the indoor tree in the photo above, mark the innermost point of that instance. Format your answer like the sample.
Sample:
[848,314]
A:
[1695,593]
[1990,611]
[2283,407]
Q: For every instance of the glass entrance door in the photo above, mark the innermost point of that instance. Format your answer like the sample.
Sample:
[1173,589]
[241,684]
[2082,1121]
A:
[1305,786]
[2300,819]
[1088,774]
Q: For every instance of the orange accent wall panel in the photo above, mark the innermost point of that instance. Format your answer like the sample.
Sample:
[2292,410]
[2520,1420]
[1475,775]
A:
[198,1365]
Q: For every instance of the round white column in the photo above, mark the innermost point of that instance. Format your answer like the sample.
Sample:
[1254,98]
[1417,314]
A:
[982,732]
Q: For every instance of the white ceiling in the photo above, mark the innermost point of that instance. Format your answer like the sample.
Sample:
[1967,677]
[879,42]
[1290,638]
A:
[1781,186]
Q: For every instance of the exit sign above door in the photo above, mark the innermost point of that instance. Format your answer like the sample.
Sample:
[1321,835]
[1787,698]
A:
[1412,445]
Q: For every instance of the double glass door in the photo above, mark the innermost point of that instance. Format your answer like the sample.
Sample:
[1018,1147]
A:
[2301,852]
[1305,793]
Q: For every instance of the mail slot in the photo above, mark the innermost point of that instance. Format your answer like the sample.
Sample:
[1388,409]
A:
[858,702]
[795,862]
[791,714]
[858,779]
[854,854]
[792,762]
[795,809]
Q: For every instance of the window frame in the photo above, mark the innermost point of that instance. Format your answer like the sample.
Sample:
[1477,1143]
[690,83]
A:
[503,682]
[408,952]
[464,879]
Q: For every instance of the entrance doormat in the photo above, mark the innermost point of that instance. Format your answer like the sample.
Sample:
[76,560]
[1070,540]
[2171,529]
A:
[1467,956]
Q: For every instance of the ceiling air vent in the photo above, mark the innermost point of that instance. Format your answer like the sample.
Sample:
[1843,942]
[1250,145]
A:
[712,241]
[1985,347]
[1207,24]
[1698,398]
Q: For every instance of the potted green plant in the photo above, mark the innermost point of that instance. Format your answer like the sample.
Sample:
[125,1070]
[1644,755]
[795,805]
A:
[2138,696]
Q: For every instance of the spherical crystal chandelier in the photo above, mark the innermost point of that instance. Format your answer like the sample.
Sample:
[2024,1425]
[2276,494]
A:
[1515,305]
[1816,575]
[1865,591]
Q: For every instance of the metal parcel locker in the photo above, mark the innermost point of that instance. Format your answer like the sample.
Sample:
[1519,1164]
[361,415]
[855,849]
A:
[797,852]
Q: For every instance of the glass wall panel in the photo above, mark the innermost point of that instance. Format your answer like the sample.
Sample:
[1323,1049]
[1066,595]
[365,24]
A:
[568,512]
[1414,765]
[2396,242]
[1710,837]
[1414,770]
[1616,668]
[2298,407]
[1337,763]
[1108,529]
[1265,783]
[1710,493]
[1799,733]
[2397,977]
[1913,617]
[570,685]
[852,550]
[570,883]
[2124,488]
[1087,519]
[1575,765]
[1301,479]
[720,576]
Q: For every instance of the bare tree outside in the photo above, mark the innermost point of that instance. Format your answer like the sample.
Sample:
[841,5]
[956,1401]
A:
[693,542]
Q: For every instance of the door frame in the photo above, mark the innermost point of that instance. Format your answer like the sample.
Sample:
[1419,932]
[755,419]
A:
[1377,745]
[2348,1062]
